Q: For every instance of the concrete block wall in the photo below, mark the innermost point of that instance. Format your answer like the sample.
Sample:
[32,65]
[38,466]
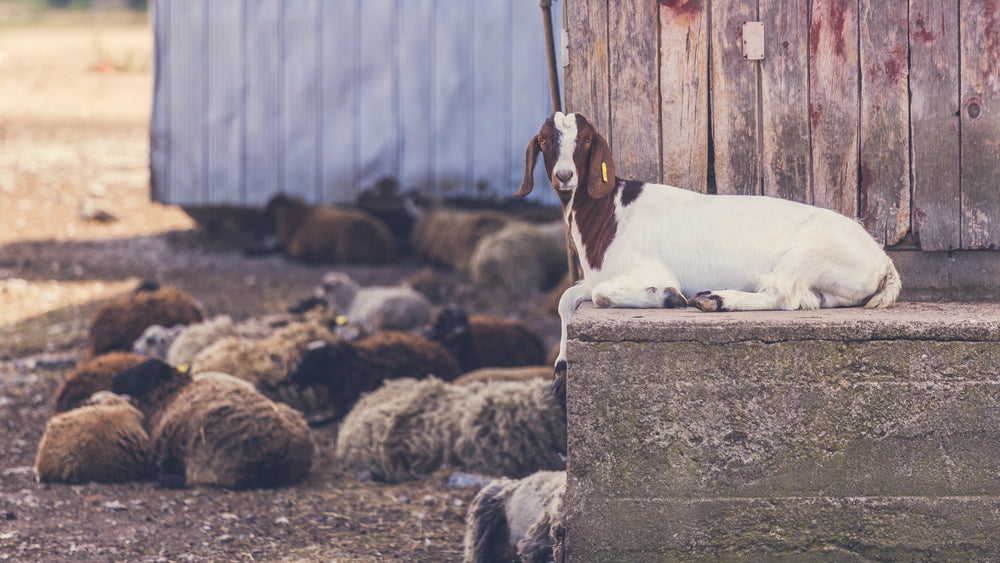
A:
[836,435]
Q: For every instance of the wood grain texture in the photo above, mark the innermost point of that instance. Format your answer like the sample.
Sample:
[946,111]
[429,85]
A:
[934,106]
[980,129]
[884,196]
[634,84]
[684,93]
[834,104]
[586,75]
[735,120]
[785,99]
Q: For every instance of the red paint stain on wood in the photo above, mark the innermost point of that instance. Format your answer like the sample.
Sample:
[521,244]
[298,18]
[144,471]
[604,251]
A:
[991,37]
[815,113]
[684,8]
[920,31]
[836,15]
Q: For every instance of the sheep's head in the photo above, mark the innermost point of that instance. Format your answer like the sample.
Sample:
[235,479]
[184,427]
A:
[453,330]
[340,290]
[322,362]
[144,379]
[575,156]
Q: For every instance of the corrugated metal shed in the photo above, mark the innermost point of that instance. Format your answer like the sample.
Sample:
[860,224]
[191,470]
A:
[324,98]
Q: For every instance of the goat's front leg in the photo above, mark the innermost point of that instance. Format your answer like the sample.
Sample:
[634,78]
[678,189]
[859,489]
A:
[640,290]
[570,300]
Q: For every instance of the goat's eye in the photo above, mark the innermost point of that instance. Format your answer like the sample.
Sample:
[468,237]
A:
[586,141]
[541,142]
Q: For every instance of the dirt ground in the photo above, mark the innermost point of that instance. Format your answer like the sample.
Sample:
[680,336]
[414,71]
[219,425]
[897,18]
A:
[75,94]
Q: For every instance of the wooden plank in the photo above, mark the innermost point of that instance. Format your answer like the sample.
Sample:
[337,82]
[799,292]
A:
[301,113]
[735,126]
[491,113]
[452,98]
[884,196]
[263,146]
[586,84]
[159,128]
[934,105]
[635,134]
[416,92]
[378,134]
[980,129]
[834,104]
[187,43]
[785,99]
[224,119]
[684,93]
[340,98]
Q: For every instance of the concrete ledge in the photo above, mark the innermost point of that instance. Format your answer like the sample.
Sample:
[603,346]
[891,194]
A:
[836,434]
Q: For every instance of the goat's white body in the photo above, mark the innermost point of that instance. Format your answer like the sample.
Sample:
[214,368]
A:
[754,252]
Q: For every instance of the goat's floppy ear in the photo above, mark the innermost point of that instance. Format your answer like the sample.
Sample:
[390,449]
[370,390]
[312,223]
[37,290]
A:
[601,174]
[530,156]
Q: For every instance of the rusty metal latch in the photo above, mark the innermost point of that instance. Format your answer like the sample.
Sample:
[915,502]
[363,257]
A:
[753,41]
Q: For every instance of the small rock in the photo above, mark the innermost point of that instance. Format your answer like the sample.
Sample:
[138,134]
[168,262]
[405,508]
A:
[282,520]
[403,500]
[9,515]
[93,209]
[461,480]
[428,499]
[225,538]
[114,506]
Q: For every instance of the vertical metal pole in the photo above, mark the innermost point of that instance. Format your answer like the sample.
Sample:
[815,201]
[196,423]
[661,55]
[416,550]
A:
[550,47]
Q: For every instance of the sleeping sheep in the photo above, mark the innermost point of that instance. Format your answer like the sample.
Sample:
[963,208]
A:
[197,337]
[449,236]
[348,368]
[119,323]
[483,341]
[375,308]
[521,255]
[318,233]
[520,373]
[517,520]
[207,432]
[102,440]
[409,428]
[156,340]
[90,377]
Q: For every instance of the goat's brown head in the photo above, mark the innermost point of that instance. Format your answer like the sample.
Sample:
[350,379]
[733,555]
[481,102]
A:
[575,156]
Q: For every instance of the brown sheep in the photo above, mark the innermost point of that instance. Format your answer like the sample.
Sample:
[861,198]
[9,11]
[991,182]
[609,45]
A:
[449,236]
[318,233]
[408,428]
[517,520]
[119,323]
[90,377]
[103,440]
[209,432]
[483,341]
[349,368]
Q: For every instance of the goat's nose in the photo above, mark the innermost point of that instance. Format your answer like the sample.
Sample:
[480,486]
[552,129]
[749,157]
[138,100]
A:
[564,175]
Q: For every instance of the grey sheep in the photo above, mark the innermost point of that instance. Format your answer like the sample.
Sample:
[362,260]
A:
[521,255]
[156,340]
[102,440]
[408,428]
[517,520]
[375,308]
[196,337]
[207,432]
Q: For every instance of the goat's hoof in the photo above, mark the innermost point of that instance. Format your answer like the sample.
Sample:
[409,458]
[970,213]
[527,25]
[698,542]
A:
[673,299]
[708,302]
[559,382]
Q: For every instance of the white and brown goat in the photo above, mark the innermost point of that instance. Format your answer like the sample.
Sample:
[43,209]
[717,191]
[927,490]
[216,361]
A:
[650,245]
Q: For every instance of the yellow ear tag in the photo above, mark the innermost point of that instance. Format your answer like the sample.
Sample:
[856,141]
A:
[183,368]
[340,320]
[604,171]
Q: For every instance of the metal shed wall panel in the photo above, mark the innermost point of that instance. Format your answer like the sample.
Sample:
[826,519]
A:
[322,98]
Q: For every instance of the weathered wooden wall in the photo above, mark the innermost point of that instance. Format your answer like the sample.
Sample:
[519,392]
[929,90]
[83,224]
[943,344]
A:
[884,110]
[322,98]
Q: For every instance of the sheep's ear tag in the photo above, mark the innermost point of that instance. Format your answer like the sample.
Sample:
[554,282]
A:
[604,171]
[340,320]
[183,368]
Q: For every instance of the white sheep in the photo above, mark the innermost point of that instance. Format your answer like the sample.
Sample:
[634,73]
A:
[155,341]
[375,308]
[650,245]
[517,520]
[196,337]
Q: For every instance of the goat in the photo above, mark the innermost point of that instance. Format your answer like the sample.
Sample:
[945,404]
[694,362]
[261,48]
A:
[650,245]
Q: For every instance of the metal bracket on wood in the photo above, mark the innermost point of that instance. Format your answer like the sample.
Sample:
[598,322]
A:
[753,41]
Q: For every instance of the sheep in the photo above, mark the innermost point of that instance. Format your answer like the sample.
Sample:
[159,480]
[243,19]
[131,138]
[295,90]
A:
[517,520]
[650,245]
[102,440]
[349,368]
[267,363]
[197,337]
[483,341]
[408,428]
[156,340]
[522,373]
[521,255]
[449,237]
[90,377]
[119,323]
[317,233]
[375,308]
[206,432]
